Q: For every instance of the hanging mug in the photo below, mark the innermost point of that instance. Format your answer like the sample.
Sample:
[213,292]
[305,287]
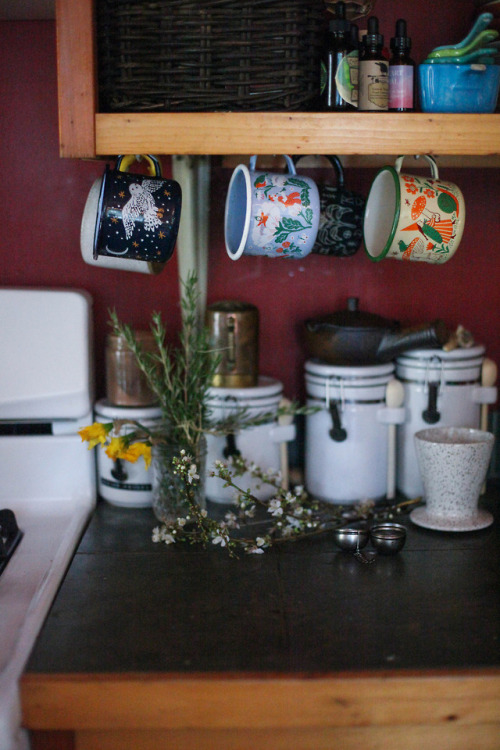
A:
[411,217]
[340,230]
[269,213]
[130,220]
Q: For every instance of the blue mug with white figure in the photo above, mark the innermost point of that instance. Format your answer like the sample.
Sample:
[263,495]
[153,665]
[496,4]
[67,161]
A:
[137,215]
[269,213]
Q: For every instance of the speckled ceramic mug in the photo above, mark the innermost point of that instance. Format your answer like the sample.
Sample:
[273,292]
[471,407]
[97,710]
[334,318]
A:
[453,463]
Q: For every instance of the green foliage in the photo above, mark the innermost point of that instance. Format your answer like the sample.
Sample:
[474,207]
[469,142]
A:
[179,376]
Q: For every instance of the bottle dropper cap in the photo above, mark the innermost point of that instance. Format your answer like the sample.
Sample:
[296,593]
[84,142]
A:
[373,38]
[339,23]
[401,41]
[354,35]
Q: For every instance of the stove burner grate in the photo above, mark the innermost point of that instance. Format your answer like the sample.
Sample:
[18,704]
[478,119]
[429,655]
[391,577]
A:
[10,536]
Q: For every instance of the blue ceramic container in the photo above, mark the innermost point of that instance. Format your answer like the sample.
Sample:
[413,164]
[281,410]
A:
[458,88]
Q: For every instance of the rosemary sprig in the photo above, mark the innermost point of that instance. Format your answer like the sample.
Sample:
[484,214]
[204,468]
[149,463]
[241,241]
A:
[179,376]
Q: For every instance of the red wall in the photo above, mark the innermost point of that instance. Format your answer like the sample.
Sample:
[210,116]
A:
[43,198]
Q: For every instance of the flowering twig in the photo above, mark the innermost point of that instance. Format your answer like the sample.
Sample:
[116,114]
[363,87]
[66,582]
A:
[287,516]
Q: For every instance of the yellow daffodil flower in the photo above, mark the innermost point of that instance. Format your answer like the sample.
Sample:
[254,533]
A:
[116,449]
[119,449]
[95,433]
[140,449]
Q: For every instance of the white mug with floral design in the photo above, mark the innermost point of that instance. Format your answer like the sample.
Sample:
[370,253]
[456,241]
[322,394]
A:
[271,214]
[412,217]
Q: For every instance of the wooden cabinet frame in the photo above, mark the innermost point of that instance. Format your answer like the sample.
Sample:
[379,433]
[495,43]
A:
[85,132]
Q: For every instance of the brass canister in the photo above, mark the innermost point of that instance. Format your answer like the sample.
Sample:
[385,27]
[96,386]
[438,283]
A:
[234,336]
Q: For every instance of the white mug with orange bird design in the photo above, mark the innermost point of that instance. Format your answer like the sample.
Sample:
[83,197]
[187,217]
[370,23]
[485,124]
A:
[412,217]
[269,213]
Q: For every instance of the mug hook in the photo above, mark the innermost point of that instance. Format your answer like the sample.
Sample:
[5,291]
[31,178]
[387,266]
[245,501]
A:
[429,159]
[334,161]
[123,163]
[291,166]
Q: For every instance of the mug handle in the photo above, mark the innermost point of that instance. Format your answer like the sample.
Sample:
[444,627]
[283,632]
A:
[429,159]
[339,169]
[288,159]
[123,163]
[334,161]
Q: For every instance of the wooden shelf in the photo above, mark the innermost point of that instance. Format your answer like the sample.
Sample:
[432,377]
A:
[297,133]
[86,133]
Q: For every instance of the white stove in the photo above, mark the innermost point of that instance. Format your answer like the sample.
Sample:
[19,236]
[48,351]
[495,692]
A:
[47,475]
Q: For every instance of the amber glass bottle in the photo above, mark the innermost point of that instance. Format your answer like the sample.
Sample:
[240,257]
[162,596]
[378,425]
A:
[373,71]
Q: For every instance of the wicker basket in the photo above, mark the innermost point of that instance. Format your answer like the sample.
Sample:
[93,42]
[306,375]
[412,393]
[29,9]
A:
[211,55]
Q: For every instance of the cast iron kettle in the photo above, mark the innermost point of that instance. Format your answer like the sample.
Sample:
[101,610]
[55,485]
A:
[354,337]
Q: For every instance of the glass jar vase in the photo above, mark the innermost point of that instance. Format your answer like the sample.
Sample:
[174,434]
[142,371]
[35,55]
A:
[171,492]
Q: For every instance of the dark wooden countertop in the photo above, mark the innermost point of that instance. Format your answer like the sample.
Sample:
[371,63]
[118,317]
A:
[132,605]
[131,609]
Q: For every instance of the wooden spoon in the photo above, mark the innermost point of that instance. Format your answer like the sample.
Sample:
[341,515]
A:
[284,419]
[394,398]
[488,378]
[489,372]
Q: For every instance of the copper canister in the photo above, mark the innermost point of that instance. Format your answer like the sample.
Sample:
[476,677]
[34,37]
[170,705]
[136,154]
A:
[126,385]
[234,337]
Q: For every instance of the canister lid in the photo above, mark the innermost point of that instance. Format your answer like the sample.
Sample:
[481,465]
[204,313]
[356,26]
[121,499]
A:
[145,339]
[105,409]
[231,306]
[351,317]
[266,387]
[411,358]
[320,369]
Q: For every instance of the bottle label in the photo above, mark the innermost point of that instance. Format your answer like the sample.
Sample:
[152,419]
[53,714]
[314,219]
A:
[373,85]
[401,87]
[346,78]
[323,77]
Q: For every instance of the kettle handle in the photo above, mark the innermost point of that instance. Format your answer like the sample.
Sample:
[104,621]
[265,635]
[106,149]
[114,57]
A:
[123,163]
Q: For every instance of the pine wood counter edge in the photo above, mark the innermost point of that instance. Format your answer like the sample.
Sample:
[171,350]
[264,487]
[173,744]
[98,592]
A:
[234,701]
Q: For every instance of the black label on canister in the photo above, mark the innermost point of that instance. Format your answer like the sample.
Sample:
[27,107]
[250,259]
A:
[126,486]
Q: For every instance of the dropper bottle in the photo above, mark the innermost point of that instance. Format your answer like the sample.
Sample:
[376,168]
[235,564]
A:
[401,71]
[339,79]
[373,71]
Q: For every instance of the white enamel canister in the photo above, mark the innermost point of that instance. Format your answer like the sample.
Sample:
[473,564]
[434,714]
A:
[123,483]
[259,445]
[442,389]
[346,441]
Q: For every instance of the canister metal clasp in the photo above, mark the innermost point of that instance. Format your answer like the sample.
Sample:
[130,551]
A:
[337,432]
[433,388]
